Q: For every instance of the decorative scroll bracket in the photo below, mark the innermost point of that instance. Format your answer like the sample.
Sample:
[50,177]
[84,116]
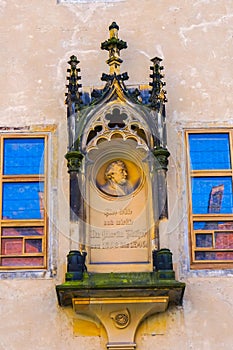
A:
[120,316]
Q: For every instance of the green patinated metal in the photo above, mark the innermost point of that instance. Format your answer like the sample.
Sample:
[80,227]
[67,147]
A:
[74,160]
[113,41]
[133,279]
[162,155]
[108,44]
[159,283]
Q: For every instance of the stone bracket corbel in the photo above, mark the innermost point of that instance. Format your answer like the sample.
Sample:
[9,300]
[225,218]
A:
[120,316]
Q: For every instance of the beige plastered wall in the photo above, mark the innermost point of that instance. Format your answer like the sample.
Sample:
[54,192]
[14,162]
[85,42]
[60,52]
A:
[195,40]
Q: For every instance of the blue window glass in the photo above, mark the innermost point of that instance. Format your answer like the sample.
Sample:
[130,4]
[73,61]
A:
[203,241]
[205,225]
[209,151]
[23,156]
[213,225]
[23,200]
[214,256]
[212,195]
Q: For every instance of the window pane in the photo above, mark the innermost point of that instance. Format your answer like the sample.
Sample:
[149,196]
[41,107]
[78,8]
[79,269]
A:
[23,156]
[224,240]
[213,225]
[209,151]
[33,246]
[212,195]
[23,200]
[27,261]
[22,231]
[214,255]
[204,240]
[12,246]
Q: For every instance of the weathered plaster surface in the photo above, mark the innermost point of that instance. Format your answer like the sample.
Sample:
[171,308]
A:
[195,40]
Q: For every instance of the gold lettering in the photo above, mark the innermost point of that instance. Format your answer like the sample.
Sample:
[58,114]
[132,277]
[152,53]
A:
[124,222]
[108,223]
[126,212]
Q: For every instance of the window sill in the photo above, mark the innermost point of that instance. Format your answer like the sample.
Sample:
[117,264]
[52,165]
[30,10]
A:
[211,266]
[29,274]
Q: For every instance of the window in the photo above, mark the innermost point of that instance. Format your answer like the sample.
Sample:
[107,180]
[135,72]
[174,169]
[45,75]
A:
[210,197]
[23,202]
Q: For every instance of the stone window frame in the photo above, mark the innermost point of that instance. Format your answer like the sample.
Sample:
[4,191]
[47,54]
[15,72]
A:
[196,232]
[49,240]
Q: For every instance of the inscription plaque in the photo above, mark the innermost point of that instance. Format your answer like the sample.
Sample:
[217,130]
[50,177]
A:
[119,222]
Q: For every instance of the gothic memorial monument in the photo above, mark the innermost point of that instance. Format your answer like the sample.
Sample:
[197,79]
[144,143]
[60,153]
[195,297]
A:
[117,161]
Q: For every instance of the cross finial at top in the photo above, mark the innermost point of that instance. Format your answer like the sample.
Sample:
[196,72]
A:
[114,45]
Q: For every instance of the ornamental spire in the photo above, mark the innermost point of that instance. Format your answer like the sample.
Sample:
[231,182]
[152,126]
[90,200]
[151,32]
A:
[73,96]
[158,94]
[114,45]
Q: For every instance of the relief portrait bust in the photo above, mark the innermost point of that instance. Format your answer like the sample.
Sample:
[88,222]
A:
[116,180]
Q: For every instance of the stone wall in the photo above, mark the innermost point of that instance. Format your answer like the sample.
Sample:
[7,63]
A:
[195,40]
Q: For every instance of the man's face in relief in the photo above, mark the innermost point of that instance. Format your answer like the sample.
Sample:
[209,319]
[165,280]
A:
[119,174]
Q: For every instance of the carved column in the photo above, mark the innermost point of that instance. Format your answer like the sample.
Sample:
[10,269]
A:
[161,162]
[74,156]
[74,161]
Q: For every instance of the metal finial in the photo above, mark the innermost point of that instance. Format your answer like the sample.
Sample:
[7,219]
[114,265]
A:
[114,45]
[73,96]
[158,94]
